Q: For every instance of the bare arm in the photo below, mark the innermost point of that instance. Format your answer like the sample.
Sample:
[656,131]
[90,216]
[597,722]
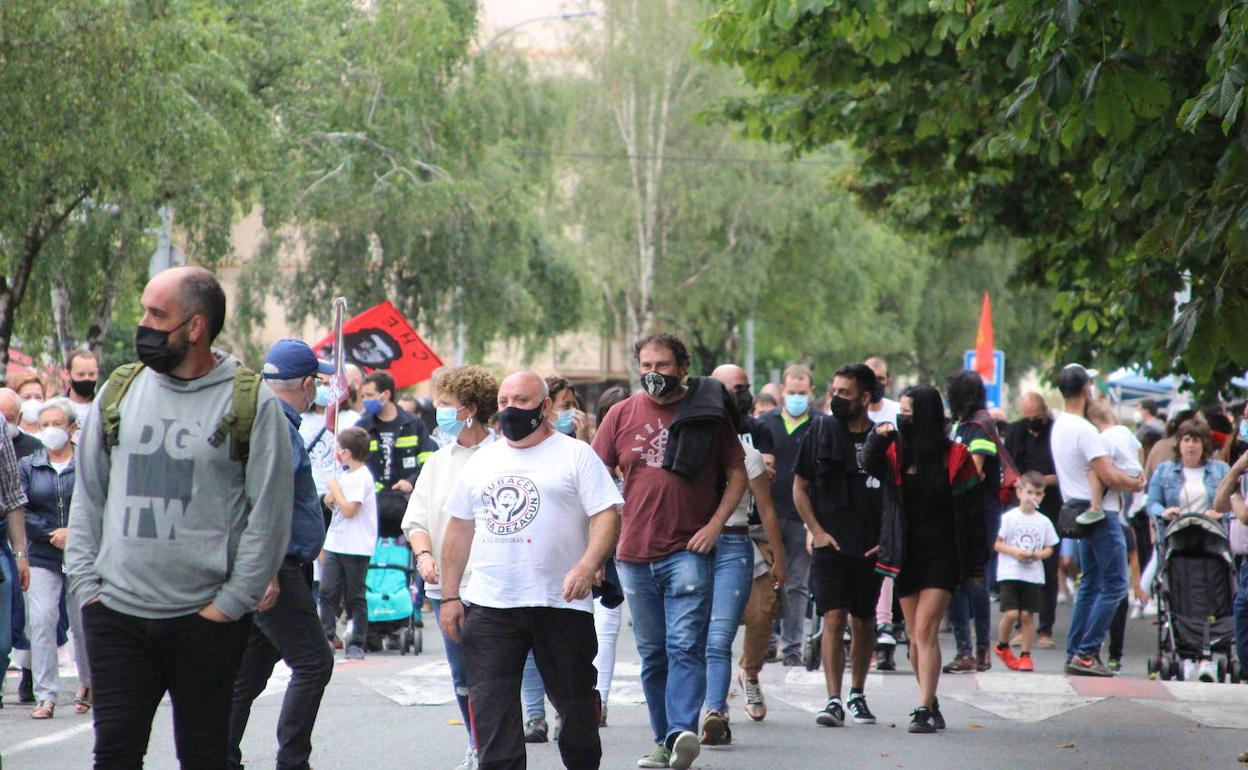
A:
[456,547]
[1113,478]
[1226,488]
[336,499]
[604,532]
[761,487]
[801,501]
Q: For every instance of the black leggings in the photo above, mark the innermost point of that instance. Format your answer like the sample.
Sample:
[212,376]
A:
[342,586]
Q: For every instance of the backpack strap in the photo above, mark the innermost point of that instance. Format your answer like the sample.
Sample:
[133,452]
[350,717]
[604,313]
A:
[119,383]
[237,422]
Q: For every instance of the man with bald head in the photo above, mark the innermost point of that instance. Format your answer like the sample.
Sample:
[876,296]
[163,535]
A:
[537,516]
[11,407]
[1027,441]
[174,535]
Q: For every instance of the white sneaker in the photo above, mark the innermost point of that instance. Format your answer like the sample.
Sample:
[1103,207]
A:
[1189,668]
[470,761]
[1137,610]
[684,750]
[1206,671]
[1150,609]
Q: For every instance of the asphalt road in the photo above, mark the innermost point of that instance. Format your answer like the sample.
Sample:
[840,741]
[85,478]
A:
[393,711]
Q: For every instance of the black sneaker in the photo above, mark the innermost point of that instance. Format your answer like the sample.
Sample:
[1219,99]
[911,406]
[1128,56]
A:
[792,659]
[535,730]
[1081,665]
[857,705]
[938,719]
[921,721]
[833,715]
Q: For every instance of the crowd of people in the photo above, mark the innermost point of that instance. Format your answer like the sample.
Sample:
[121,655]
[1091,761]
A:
[193,522]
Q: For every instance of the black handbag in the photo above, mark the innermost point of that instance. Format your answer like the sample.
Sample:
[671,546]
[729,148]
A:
[1067,527]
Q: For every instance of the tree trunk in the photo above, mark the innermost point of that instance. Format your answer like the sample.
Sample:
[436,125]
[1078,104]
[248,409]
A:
[60,315]
[103,315]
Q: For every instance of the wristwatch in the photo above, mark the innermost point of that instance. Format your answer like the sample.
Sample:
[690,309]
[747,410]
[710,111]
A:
[19,555]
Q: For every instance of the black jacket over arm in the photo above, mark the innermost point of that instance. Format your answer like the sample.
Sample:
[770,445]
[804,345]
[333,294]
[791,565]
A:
[705,408]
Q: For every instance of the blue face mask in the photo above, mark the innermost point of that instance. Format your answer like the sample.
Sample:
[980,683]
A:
[565,421]
[372,406]
[1243,430]
[796,404]
[322,396]
[448,420]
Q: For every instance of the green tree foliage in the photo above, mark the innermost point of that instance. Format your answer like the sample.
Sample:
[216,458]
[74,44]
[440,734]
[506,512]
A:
[684,226]
[110,110]
[410,173]
[1105,137]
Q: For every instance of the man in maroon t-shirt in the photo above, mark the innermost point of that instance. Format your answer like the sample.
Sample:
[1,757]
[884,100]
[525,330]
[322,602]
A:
[669,528]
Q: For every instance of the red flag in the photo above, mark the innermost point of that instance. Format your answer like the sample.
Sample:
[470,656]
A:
[985,363]
[381,339]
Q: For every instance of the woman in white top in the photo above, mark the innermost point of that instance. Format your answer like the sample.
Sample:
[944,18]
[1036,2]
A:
[1187,485]
[466,398]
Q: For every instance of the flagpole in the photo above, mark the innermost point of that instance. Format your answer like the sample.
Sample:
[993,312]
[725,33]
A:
[339,390]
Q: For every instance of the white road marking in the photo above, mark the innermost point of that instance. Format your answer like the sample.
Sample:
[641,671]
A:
[1023,707]
[1206,714]
[1025,684]
[44,741]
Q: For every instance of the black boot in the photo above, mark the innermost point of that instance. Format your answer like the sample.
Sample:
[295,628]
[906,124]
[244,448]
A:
[26,688]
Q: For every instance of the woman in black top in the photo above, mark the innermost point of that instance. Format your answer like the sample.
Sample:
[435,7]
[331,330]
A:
[932,537]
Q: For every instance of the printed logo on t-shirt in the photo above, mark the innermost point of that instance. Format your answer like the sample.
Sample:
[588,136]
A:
[511,504]
[652,443]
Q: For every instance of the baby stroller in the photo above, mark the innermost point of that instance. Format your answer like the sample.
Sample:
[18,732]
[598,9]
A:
[388,590]
[1195,589]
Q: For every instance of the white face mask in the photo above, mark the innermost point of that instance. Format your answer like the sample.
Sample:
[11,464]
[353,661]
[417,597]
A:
[31,410]
[54,438]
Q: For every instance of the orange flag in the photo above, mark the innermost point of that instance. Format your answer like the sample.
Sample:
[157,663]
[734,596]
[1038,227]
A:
[985,364]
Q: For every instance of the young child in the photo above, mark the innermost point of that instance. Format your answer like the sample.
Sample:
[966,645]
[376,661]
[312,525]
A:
[1124,452]
[1025,540]
[349,542]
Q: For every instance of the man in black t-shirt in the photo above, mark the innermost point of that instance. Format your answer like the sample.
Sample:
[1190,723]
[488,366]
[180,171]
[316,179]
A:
[840,503]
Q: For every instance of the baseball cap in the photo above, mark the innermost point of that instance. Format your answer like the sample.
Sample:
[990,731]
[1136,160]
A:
[291,359]
[1073,379]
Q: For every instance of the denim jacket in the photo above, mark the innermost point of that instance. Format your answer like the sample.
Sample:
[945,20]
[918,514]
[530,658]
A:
[48,494]
[1166,486]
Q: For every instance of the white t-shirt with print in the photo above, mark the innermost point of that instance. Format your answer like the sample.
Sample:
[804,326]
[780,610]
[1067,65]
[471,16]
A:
[1026,531]
[1075,444]
[320,444]
[1124,452]
[532,509]
[754,467]
[356,535]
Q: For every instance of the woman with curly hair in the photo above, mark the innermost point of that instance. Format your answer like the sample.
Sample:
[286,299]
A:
[466,398]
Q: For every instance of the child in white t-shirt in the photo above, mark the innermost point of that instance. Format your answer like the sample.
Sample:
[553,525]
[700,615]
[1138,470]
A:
[1124,452]
[349,542]
[1025,540]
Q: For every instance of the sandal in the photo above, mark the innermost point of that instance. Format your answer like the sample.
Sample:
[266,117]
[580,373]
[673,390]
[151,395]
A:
[82,703]
[46,710]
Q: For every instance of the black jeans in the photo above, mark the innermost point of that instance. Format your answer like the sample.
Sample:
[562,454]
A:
[1118,629]
[1048,610]
[289,631]
[342,585]
[135,661]
[563,642]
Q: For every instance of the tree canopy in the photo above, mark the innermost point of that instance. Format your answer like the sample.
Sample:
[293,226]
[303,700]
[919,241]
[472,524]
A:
[1105,139]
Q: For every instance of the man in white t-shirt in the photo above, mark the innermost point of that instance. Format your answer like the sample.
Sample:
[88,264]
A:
[882,408]
[1077,448]
[539,515]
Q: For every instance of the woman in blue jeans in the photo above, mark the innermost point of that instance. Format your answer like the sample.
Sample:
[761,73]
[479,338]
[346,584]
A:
[466,397]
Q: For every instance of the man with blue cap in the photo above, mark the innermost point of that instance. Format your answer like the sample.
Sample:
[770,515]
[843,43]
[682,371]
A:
[286,625]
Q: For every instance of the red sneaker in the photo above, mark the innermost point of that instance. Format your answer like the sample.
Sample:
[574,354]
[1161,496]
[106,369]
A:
[1024,664]
[1007,657]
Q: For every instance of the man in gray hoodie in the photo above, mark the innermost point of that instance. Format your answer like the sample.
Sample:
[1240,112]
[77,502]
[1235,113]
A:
[173,541]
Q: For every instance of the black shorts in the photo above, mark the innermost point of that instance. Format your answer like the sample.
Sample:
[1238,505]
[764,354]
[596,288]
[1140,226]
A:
[1019,595]
[842,583]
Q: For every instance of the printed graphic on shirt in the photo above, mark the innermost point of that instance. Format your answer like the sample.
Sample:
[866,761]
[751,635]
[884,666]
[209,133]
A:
[652,443]
[860,451]
[160,475]
[511,504]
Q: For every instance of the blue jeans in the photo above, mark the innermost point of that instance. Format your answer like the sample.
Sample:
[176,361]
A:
[6,614]
[671,604]
[1241,614]
[532,690]
[1103,558]
[459,674]
[796,587]
[976,602]
[733,578]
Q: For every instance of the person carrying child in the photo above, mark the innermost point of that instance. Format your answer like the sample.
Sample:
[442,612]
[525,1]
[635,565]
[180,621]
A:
[1027,537]
[349,543]
[1125,452]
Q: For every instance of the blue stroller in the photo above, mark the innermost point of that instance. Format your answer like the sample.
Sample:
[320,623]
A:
[388,590]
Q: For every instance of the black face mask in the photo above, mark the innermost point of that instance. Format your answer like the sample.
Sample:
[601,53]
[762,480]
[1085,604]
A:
[83,388]
[1036,424]
[745,402]
[841,408]
[152,347]
[518,424]
[905,424]
[659,385]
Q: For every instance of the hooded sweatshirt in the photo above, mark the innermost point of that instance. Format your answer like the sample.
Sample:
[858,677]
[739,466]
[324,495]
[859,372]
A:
[165,523]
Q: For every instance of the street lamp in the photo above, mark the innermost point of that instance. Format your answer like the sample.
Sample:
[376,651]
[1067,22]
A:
[569,16]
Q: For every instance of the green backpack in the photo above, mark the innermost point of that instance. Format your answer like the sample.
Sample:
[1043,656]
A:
[236,424]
